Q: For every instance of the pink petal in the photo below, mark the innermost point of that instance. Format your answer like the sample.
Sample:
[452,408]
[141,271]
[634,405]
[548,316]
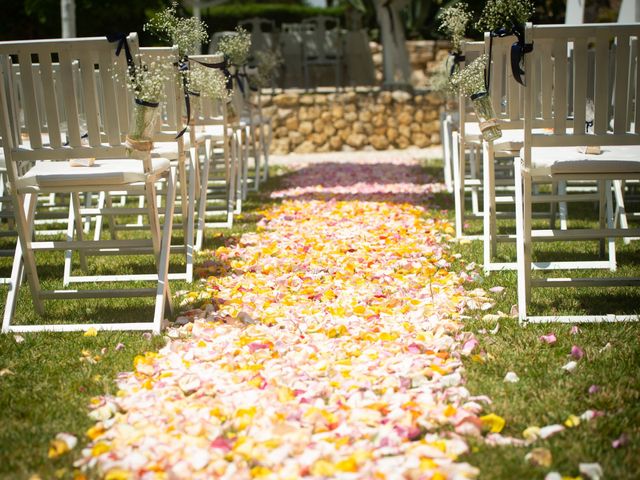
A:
[621,441]
[577,352]
[549,338]
[119,347]
[468,346]
[497,289]
[593,389]
[575,330]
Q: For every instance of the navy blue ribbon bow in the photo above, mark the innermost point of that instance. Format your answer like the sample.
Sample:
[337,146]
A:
[183,68]
[518,50]
[121,38]
[457,58]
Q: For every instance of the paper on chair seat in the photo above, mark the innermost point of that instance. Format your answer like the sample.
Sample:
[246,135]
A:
[82,162]
[50,174]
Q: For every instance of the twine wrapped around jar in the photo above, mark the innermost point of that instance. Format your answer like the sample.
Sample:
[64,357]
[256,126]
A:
[487,119]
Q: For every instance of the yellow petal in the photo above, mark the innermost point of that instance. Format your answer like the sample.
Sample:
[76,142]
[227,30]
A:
[572,421]
[493,422]
[91,332]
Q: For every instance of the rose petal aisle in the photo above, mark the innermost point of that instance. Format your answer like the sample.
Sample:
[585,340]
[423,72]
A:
[331,348]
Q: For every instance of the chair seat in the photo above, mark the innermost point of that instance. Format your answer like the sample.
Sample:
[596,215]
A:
[49,174]
[216,131]
[569,160]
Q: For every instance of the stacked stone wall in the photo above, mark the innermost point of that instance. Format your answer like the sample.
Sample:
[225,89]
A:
[347,121]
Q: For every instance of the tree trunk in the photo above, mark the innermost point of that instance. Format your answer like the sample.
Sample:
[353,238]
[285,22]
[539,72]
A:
[395,58]
[68,18]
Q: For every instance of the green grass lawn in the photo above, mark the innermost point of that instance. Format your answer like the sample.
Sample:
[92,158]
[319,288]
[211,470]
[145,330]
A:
[47,380]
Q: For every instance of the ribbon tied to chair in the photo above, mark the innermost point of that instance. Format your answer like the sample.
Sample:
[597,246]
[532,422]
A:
[121,38]
[457,58]
[183,68]
[220,66]
[518,50]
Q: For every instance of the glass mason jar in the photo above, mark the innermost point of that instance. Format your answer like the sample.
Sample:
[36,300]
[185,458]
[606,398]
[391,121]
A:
[195,106]
[486,115]
[142,126]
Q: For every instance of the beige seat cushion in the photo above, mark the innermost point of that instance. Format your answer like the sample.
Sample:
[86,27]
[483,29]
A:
[568,160]
[49,174]
[170,149]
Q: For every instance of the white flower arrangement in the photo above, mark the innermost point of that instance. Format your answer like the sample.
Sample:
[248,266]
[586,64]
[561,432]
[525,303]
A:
[470,80]
[453,23]
[499,14]
[146,81]
[236,46]
[208,82]
[187,33]
[439,80]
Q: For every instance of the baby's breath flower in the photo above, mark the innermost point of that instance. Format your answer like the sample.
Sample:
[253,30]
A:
[236,46]
[146,81]
[454,21]
[470,79]
[439,80]
[209,82]
[499,14]
[186,33]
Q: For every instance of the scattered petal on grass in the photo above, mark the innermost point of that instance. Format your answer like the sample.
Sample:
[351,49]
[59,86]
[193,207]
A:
[621,441]
[539,457]
[589,415]
[576,352]
[496,289]
[550,430]
[575,330]
[593,389]
[605,348]
[531,434]
[572,421]
[18,338]
[593,471]
[549,338]
[569,366]
[513,313]
[63,443]
[147,335]
[511,377]
[91,332]
[493,422]
[6,371]
[119,347]
[468,346]
[553,476]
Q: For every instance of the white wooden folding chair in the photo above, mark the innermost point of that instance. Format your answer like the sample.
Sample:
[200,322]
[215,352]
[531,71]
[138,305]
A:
[114,169]
[554,157]
[467,145]
[166,145]
[220,172]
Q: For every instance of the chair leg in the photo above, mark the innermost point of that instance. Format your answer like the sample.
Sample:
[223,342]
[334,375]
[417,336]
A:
[489,205]
[610,224]
[265,143]
[474,171]
[202,204]
[602,214]
[458,189]
[189,218]
[23,259]
[99,218]
[523,237]
[621,213]
[163,292]
[563,209]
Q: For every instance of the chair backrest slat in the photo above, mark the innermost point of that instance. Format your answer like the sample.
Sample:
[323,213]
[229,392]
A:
[546,95]
[29,103]
[69,90]
[560,86]
[49,100]
[601,101]
[621,91]
[109,115]
[90,95]
[580,58]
